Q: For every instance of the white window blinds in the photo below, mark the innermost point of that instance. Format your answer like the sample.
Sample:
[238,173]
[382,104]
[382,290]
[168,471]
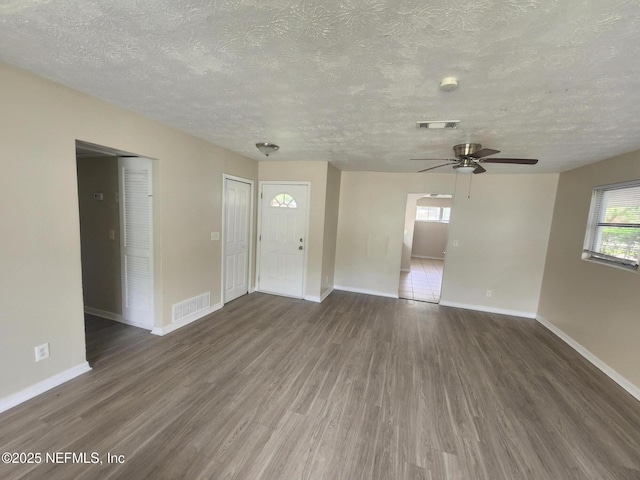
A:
[613,234]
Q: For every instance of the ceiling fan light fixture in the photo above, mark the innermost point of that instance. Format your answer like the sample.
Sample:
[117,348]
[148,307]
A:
[267,148]
[467,169]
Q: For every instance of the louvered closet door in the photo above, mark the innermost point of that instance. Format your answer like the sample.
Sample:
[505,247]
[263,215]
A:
[136,240]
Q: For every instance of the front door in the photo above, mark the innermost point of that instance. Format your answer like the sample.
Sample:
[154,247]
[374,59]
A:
[237,198]
[282,238]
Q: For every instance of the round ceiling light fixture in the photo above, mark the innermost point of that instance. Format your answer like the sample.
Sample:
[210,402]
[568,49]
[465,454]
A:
[267,148]
[448,84]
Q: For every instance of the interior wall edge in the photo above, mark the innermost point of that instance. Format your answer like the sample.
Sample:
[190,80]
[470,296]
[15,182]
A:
[591,358]
[32,391]
[486,309]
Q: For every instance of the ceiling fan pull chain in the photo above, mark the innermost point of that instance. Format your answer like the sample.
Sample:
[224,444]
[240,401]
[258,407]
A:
[470,180]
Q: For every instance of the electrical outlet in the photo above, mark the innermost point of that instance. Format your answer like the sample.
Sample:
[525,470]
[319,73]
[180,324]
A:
[42,352]
[215,236]
[489,293]
[112,234]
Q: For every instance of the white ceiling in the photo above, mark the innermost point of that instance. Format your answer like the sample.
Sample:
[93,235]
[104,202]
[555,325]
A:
[345,81]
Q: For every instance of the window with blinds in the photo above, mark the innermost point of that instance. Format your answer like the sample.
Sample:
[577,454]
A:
[433,214]
[613,233]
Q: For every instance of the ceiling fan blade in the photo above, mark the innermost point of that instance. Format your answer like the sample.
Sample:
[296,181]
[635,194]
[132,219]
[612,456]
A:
[479,169]
[485,152]
[443,165]
[435,159]
[521,161]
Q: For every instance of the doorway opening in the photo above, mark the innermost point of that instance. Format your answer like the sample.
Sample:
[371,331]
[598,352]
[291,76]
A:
[425,239]
[116,238]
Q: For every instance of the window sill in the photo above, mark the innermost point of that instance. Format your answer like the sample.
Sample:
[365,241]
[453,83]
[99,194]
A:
[630,269]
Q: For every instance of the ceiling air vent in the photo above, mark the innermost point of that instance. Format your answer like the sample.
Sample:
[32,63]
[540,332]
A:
[439,124]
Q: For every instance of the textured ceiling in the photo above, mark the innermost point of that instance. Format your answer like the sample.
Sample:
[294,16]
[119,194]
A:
[345,81]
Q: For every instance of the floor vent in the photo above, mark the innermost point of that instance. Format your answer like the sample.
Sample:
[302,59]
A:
[191,306]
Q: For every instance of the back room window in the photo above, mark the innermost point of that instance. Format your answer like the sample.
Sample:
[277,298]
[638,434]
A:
[613,233]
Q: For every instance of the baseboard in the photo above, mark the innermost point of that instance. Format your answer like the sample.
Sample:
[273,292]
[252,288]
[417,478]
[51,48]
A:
[96,312]
[590,357]
[482,308]
[405,269]
[160,331]
[428,258]
[365,291]
[326,294]
[34,390]
[315,298]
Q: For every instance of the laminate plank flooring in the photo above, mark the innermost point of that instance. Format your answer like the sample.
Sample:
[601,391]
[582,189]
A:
[357,387]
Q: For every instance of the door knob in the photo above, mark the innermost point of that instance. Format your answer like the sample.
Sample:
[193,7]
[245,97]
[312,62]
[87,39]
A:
[300,247]
[300,240]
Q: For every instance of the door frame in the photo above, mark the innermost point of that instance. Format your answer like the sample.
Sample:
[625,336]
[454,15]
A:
[225,176]
[258,242]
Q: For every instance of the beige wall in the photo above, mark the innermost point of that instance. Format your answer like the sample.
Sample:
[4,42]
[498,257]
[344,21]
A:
[594,304]
[41,281]
[430,238]
[371,226]
[101,283]
[332,203]
[502,231]
[316,173]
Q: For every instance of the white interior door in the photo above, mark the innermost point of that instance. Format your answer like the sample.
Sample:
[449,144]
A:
[283,225]
[136,240]
[237,198]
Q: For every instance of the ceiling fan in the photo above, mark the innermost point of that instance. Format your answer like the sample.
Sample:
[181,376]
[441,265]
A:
[469,156]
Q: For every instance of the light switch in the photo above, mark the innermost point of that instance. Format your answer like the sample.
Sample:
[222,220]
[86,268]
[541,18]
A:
[112,234]
[98,196]
[215,236]
[455,243]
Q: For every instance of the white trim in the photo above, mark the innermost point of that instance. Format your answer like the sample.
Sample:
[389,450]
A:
[405,269]
[252,240]
[430,258]
[34,390]
[365,291]
[160,331]
[326,294]
[96,312]
[482,308]
[318,299]
[590,357]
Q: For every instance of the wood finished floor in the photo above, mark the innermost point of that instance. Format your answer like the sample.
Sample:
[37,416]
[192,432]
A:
[358,387]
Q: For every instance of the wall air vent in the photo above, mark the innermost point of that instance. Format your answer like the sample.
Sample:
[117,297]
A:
[439,124]
[191,306]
